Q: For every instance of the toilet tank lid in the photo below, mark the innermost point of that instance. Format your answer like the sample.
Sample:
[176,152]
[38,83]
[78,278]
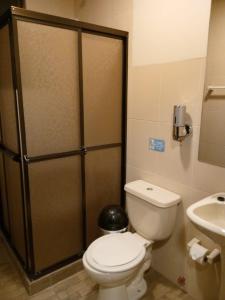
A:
[152,193]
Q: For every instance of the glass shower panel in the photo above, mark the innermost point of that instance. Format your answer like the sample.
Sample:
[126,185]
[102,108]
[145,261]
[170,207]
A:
[103,185]
[4,205]
[7,101]
[56,210]
[15,202]
[50,87]
[102,85]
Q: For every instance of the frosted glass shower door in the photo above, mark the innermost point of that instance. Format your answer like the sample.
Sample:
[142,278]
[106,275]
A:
[55,192]
[102,84]
[50,88]
[103,106]
[51,107]
[103,185]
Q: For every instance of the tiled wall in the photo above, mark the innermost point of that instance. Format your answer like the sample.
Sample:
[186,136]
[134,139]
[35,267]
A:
[154,89]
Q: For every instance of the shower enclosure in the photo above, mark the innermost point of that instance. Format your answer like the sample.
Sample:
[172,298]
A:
[62,116]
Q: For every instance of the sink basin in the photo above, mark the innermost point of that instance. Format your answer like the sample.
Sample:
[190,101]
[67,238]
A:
[208,215]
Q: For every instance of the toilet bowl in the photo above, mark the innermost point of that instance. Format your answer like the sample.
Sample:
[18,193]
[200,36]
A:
[112,261]
[117,262]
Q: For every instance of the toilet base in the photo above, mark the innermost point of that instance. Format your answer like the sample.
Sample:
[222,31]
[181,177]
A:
[133,292]
[138,287]
[131,284]
[136,292]
[118,293]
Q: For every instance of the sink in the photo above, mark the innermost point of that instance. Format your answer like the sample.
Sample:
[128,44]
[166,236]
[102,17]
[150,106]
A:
[208,215]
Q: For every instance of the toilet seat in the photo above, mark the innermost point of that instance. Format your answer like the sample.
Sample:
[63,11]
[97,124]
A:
[116,252]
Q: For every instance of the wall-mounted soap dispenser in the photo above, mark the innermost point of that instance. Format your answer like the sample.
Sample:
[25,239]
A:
[180,128]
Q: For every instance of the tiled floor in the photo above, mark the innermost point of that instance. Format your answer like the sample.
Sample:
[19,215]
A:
[11,286]
[159,288]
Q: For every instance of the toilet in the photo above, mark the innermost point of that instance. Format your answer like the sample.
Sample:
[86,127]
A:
[117,262]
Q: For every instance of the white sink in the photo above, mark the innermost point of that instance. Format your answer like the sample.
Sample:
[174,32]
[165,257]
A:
[208,215]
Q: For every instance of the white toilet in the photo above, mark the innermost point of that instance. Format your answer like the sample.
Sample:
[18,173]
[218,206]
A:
[117,262]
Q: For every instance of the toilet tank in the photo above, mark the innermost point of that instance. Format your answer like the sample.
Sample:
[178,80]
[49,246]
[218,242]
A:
[151,209]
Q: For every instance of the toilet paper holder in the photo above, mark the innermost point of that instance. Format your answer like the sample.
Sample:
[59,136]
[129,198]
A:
[213,254]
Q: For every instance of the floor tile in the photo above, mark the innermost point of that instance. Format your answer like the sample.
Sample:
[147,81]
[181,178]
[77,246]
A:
[76,287]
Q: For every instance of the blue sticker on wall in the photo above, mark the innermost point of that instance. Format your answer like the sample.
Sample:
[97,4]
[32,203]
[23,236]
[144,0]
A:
[156,145]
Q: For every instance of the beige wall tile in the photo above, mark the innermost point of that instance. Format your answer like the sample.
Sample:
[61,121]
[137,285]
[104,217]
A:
[140,156]
[146,88]
[182,84]
[177,161]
